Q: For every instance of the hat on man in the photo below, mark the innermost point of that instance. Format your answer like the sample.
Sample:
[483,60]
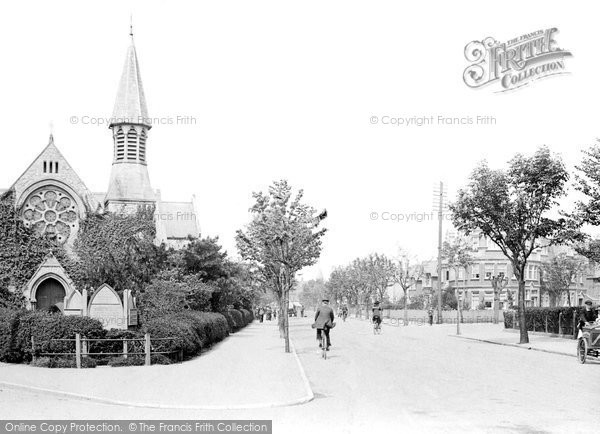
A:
[376,303]
[588,302]
[326,300]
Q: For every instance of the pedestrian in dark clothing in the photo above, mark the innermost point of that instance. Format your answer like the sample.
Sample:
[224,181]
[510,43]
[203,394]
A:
[430,313]
[261,314]
[588,315]
[324,318]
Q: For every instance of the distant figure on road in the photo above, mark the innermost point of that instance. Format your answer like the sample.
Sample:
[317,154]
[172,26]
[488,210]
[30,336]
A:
[269,312]
[302,312]
[377,313]
[261,314]
[430,313]
[324,318]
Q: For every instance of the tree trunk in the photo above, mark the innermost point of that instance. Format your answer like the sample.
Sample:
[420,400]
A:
[405,307]
[496,303]
[524,336]
[286,323]
[281,318]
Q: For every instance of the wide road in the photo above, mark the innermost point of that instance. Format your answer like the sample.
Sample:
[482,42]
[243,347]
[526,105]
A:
[408,379]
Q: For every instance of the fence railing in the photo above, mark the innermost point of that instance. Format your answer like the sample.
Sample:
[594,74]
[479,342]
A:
[84,345]
[565,328]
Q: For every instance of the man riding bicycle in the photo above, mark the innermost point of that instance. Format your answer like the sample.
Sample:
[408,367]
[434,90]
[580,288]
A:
[377,314]
[324,318]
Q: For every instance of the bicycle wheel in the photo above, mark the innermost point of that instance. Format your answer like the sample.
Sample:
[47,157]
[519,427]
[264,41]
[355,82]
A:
[323,344]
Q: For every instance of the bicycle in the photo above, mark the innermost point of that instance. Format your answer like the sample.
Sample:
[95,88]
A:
[376,327]
[323,344]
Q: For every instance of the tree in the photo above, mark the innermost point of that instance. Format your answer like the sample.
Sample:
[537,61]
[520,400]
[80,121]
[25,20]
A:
[282,238]
[457,255]
[511,208]
[381,271]
[313,291]
[558,274]
[406,274]
[119,250]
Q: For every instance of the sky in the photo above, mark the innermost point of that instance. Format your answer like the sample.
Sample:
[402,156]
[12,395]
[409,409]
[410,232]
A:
[246,93]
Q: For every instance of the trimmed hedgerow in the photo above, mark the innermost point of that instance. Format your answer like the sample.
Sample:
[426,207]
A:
[156,359]
[9,323]
[536,318]
[45,326]
[248,317]
[193,331]
[63,362]
[238,318]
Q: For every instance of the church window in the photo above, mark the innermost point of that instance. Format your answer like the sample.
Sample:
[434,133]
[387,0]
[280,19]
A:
[56,167]
[45,167]
[51,212]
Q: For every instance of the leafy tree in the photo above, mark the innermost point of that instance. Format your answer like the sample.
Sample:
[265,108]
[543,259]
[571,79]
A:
[282,238]
[406,274]
[204,258]
[559,273]
[119,250]
[313,291]
[381,271]
[457,255]
[511,208]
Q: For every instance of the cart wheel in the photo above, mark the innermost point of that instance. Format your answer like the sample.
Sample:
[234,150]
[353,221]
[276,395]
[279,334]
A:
[582,350]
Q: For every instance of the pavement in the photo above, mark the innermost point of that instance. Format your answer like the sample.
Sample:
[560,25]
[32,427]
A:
[236,373]
[408,379]
[497,334]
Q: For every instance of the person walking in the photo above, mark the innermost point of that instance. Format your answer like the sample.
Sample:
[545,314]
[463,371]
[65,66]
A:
[430,313]
[261,314]
[324,318]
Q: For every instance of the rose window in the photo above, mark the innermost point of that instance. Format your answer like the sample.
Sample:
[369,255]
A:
[52,212]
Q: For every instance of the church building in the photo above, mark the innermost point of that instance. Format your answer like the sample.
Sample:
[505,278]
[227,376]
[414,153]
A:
[53,199]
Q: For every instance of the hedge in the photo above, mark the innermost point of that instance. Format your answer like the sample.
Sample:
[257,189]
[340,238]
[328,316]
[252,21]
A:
[238,319]
[63,362]
[193,331]
[536,317]
[9,323]
[18,327]
[248,316]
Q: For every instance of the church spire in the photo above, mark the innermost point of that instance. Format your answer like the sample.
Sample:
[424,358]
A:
[130,105]
[129,184]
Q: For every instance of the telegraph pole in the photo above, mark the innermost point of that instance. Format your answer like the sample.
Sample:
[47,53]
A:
[439,195]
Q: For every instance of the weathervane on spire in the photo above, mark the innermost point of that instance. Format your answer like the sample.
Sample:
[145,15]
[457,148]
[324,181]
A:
[131,25]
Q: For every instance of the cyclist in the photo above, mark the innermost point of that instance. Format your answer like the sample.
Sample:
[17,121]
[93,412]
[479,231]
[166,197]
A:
[377,314]
[344,312]
[324,319]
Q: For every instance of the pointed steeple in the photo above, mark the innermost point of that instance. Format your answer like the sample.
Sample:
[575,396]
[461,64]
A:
[130,105]
[129,184]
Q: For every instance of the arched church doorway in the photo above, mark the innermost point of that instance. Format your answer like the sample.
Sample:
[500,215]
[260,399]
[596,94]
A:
[50,295]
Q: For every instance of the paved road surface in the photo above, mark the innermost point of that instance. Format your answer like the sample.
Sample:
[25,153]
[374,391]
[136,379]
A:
[409,379]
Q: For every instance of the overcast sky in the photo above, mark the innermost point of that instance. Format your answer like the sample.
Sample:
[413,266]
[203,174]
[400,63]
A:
[287,90]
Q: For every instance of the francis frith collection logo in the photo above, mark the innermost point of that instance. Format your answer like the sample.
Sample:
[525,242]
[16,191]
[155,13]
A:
[515,63]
